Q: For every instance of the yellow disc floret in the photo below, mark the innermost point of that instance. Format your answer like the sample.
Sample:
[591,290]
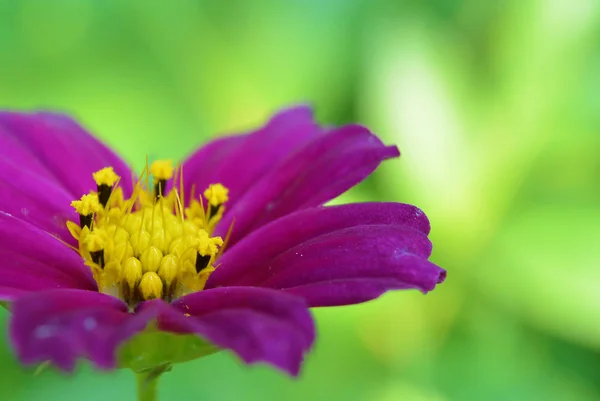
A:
[132,272]
[145,247]
[151,286]
[151,258]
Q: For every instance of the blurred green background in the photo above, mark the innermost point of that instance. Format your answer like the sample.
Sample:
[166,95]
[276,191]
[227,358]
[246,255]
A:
[496,108]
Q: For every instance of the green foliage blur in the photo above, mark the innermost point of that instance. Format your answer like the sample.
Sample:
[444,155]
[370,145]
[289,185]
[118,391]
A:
[495,106]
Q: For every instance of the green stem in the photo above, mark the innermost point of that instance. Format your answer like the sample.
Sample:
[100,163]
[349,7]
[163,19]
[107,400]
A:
[146,386]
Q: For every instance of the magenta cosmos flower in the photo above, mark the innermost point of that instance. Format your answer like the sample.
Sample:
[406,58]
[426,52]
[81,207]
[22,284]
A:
[232,246]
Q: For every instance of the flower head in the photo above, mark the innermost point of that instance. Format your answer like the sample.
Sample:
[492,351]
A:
[233,245]
[145,247]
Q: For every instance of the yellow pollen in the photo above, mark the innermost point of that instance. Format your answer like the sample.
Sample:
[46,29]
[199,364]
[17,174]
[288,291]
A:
[162,169]
[106,176]
[147,246]
[88,204]
[216,194]
[208,245]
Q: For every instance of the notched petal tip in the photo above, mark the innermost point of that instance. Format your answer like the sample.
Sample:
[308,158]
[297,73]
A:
[441,276]
[393,151]
[436,275]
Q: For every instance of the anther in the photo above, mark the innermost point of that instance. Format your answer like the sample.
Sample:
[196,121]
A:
[96,242]
[85,220]
[159,188]
[105,180]
[202,262]
[104,194]
[98,257]
[213,211]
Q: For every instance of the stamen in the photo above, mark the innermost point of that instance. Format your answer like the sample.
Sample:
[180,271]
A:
[161,170]
[86,207]
[85,220]
[98,258]
[226,241]
[96,242]
[213,211]
[159,188]
[105,179]
[216,195]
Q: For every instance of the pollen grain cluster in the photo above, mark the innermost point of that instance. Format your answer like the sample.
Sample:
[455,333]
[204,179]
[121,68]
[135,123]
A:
[148,245]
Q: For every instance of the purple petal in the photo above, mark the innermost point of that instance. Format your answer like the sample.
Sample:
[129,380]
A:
[257,324]
[348,291]
[63,149]
[13,150]
[63,325]
[8,293]
[33,260]
[327,266]
[239,161]
[30,195]
[254,252]
[316,173]
[354,252]
[199,168]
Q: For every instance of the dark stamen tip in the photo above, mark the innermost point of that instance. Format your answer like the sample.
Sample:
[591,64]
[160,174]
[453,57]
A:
[202,262]
[98,257]
[104,192]
[85,220]
[213,210]
[159,188]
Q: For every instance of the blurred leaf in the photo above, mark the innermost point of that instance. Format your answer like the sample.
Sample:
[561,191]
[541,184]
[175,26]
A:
[150,350]
[544,267]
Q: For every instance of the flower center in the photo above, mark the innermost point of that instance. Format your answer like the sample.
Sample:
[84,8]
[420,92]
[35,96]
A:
[148,246]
